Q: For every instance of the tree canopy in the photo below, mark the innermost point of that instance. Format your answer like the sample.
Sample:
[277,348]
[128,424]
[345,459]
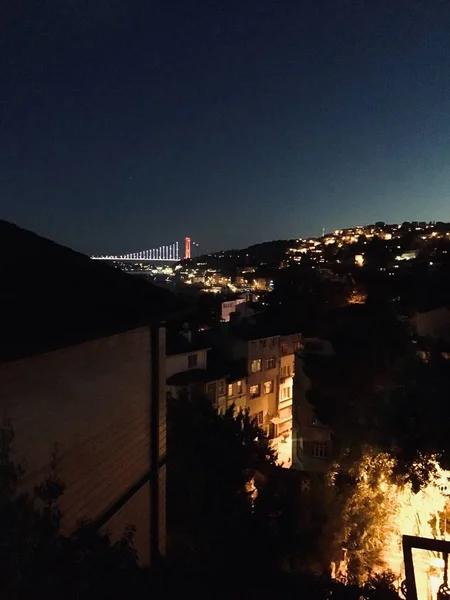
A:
[37,560]
[217,467]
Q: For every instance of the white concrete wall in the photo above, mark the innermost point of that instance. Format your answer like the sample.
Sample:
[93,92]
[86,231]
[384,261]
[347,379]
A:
[178,363]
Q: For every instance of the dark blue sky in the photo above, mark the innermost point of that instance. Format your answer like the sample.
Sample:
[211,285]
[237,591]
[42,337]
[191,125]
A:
[126,125]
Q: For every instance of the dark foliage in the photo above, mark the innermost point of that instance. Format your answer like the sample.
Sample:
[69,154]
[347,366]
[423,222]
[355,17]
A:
[212,458]
[37,560]
[304,298]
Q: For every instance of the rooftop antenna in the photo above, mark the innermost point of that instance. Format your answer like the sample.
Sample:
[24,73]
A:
[323,231]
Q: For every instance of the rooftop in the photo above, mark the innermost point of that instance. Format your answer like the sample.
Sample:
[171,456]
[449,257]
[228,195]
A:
[52,296]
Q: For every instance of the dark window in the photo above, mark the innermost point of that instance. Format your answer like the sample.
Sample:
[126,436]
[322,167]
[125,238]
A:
[320,450]
[192,360]
[270,363]
[211,392]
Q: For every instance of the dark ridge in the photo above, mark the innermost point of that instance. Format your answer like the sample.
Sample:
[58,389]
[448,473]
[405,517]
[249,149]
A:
[52,296]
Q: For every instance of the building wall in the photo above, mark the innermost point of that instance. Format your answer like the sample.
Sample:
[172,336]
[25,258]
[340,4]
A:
[285,393]
[229,307]
[266,403]
[290,343]
[162,443]
[178,363]
[434,323]
[216,392]
[93,401]
[308,435]
[239,399]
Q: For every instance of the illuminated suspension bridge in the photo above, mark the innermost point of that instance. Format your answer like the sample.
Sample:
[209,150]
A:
[169,253]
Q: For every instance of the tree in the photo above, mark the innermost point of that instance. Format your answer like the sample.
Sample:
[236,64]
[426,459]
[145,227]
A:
[219,500]
[37,560]
[419,417]
[352,390]
[303,298]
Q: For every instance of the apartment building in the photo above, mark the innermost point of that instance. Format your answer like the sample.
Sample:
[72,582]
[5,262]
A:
[82,368]
[289,345]
[237,385]
[263,360]
[228,307]
[266,362]
[311,440]
[189,372]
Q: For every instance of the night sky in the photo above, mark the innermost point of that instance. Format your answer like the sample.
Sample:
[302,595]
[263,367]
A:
[127,125]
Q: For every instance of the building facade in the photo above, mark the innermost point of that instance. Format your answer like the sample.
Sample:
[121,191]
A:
[101,405]
[263,358]
[311,441]
[188,373]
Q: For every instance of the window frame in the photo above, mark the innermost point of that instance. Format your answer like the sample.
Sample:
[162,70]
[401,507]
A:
[192,360]
[319,450]
[258,387]
[258,361]
[271,362]
[272,387]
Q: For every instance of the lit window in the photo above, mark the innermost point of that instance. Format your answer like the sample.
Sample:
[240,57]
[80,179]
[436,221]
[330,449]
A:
[230,389]
[192,360]
[319,450]
[256,365]
[239,387]
[255,391]
[268,387]
[286,393]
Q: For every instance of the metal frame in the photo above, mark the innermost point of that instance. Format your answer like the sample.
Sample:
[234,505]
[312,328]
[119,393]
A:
[409,542]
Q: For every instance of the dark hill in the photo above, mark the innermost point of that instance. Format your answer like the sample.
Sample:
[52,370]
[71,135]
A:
[52,296]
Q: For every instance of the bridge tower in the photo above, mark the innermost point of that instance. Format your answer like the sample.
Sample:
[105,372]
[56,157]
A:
[187,248]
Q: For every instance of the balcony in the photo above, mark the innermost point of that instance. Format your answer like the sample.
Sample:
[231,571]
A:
[284,403]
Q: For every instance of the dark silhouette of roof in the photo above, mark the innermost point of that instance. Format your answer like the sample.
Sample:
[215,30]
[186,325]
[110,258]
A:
[261,330]
[238,369]
[177,343]
[52,296]
[191,377]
